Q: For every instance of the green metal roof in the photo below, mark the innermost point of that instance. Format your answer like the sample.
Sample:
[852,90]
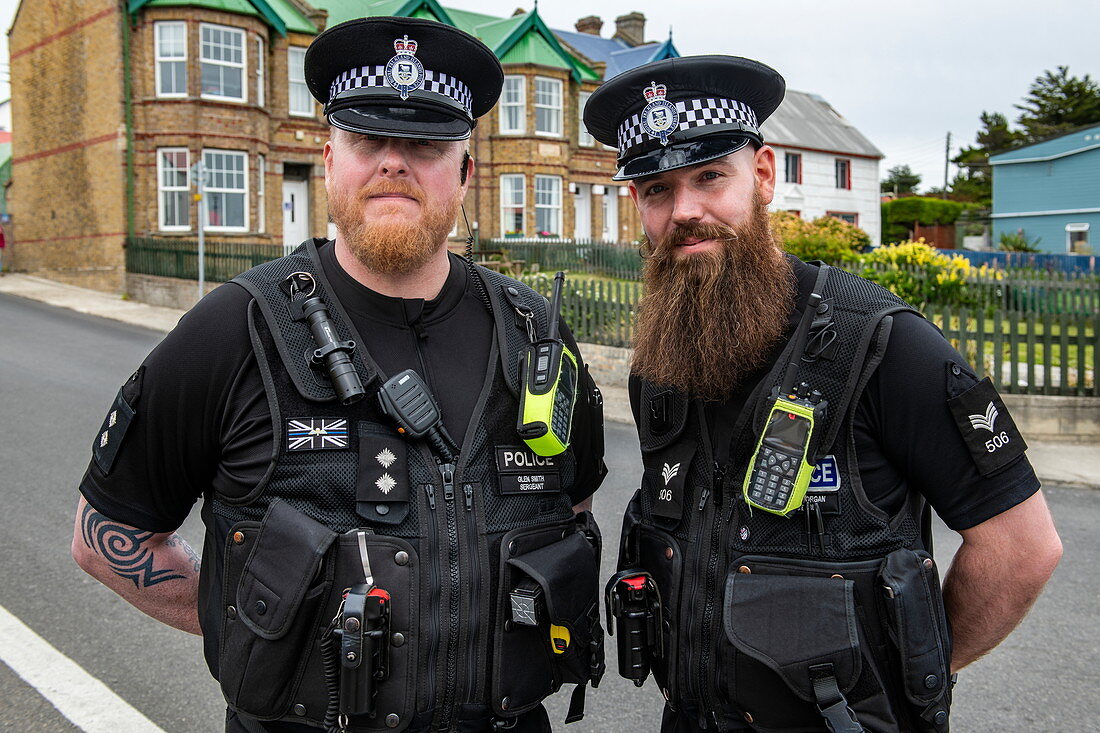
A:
[279,14]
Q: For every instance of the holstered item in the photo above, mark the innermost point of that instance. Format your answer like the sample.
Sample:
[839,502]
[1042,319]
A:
[364,633]
[634,606]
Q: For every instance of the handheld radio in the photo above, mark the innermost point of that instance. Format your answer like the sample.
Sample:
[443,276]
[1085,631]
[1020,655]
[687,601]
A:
[548,387]
[780,470]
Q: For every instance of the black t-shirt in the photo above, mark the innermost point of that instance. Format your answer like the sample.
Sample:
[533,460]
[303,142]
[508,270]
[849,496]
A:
[905,435]
[202,420]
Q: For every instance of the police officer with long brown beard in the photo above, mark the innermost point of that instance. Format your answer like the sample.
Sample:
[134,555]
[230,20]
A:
[796,424]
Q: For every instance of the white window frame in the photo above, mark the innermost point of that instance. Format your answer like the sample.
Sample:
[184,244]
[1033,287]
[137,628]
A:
[555,206]
[162,190]
[554,110]
[243,66]
[521,105]
[211,189]
[161,59]
[261,73]
[508,206]
[297,83]
[610,205]
[584,137]
[261,190]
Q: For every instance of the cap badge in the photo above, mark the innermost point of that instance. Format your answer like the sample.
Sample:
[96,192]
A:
[659,118]
[404,72]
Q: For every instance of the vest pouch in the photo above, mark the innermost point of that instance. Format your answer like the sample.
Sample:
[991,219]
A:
[548,630]
[920,634]
[275,586]
[789,626]
[658,553]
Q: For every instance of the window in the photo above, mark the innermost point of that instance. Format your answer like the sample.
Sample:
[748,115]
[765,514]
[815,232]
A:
[261,66]
[547,106]
[548,205]
[583,136]
[301,103]
[794,167]
[512,203]
[843,173]
[174,185]
[171,51]
[1077,239]
[513,105]
[226,190]
[849,216]
[611,214]
[261,188]
[223,63]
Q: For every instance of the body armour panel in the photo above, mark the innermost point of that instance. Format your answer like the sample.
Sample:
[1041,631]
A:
[749,598]
[354,502]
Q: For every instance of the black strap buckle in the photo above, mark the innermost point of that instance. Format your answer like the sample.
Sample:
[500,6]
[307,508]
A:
[839,718]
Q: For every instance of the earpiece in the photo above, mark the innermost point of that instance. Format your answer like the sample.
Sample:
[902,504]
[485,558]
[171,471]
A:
[465,167]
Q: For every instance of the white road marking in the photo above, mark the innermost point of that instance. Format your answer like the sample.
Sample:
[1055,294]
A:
[88,703]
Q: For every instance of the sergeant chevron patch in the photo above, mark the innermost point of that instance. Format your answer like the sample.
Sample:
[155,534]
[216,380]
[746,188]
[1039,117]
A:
[316,433]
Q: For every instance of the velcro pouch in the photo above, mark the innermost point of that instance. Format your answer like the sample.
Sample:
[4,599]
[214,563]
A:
[663,415]
[791,623]
[283,562]
[918,627]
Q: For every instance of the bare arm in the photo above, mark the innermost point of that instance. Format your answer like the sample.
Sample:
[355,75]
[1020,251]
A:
[156,573]
[584,506]
[997,574]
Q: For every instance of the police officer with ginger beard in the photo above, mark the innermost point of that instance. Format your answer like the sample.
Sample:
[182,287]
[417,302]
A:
[797,423]
[367,566]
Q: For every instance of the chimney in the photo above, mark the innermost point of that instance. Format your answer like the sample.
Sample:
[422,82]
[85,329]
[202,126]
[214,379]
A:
[630,28]
[590,24]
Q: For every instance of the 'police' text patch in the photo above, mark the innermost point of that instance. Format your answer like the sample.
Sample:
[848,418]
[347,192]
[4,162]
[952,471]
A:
[521,471]
[987,429]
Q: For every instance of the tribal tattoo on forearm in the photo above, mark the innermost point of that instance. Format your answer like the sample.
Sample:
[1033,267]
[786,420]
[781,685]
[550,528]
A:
[124,549]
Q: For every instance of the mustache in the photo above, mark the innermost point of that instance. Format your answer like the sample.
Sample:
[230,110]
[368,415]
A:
[694,230]
[382,188]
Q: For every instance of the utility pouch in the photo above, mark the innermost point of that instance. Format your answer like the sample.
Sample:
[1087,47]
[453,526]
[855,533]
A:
[275,586]
[549,630]
[918,629]
[798,657]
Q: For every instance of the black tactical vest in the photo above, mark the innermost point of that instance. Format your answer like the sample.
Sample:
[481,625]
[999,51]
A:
[447,547]
[782,623]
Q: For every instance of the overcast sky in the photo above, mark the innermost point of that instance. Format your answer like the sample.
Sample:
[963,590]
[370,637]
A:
[905,74]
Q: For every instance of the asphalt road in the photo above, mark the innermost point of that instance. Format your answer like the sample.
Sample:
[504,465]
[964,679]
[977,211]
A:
[59,372]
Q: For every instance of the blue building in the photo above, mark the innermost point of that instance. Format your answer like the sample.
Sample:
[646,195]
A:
[1051,191]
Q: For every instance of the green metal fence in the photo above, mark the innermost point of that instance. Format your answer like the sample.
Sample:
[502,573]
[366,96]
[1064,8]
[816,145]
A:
[620,261]
[179,257]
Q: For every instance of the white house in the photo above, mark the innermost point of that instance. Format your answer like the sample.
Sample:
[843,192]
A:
[826,167]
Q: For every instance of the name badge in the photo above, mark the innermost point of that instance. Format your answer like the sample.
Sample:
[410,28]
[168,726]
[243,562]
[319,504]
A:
[521,471]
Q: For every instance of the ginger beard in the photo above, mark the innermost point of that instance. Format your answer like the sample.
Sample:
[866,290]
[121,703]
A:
[388,242]
[709,319]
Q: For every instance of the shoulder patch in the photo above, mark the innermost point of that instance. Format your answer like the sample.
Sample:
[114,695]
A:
[986,427]
[109,438]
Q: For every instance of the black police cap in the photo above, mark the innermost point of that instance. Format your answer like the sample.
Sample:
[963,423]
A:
[683,111]
[402,77]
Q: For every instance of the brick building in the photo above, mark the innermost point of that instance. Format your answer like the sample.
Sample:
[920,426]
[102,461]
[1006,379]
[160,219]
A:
[114,102]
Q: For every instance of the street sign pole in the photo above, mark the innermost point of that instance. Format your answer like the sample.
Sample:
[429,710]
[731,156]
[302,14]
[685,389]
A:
[199,173]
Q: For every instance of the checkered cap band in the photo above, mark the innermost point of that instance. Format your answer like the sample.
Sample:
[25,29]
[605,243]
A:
[693,113]
[375,76]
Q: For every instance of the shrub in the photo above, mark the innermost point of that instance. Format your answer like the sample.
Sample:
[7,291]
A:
[921,274]
[825,238]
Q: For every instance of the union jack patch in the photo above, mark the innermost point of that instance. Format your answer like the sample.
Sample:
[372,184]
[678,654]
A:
[316,433]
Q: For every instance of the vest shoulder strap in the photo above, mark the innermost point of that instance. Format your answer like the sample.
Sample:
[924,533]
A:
[293,337]
[515,306]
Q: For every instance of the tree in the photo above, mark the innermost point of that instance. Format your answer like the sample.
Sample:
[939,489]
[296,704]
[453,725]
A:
[900,180]
[1057,103]
[975,180]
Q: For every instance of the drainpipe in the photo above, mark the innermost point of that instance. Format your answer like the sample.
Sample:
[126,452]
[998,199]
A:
[128,113]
